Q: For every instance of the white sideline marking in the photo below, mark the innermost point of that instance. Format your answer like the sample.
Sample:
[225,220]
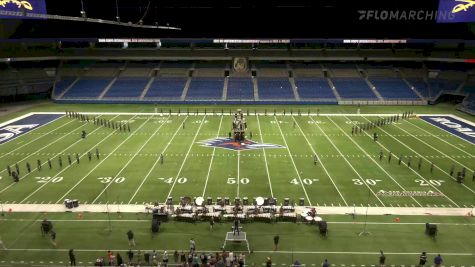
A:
[346,160]
[93,169]
[265,158]
[372,159]
[318,158]
[184,160]
[414,171]
[211,162]
[157,160]
[293,162]
[130,160]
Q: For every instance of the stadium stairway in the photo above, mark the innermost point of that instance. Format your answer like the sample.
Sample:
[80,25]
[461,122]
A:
[412,87]
[294,88]
[69,88]
[256,89]
[106,89]
[373,88]
[225,88]
[332,86]
[147,87]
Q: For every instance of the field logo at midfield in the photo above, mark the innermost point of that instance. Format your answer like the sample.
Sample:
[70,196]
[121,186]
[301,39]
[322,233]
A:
[229,143]
[18,127]
[453,126]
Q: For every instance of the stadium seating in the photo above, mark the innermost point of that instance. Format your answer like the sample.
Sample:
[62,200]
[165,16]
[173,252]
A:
[127,87]
[62,85]
[87,88]
[353,88]
[275,88]
[240,88]
[313,88]
[205,88]
[421,86]
[166,87]
[393,88]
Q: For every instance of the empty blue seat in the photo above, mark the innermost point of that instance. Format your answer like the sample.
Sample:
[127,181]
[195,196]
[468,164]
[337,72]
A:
[60,86]
[240,88]
[167,87]
[87,88]
[393,88]
[275,88]
[309,88]
[353,88]
[205,88]
[127,87]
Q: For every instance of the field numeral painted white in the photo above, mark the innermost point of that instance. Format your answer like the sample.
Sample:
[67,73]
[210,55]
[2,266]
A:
[106,180]
[169,180]
[244,180]
[431,182]
[45,179]
[368,181]
[306,181]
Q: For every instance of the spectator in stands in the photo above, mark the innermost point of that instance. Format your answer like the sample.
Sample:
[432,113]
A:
[438,260]
[99,262]
[242,259]
[119,259]
[165,258]
[72,257]
[176,256]
[422,259]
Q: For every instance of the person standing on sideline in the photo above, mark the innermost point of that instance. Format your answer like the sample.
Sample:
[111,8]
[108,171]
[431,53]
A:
[211,223]
[130,237]
[276,242]
[269,262]
[192,245]
[130,255]
[325,263]
[438,260]
[423,259]
[53,238]
[72,257]
[382,259]
[236,227]
[165,258]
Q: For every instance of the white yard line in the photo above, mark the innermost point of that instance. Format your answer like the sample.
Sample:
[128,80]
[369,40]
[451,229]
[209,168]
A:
[439,137]
[471,190]
[24,176]
[372,159]
[321,163]
[238,159]
[157,160]
[184,160]
[404,163]
[55,129]
[293,162]
[48,145]
[131,159]
[211,162]
[349,164]
[99,164]
[67,167]
[265,158]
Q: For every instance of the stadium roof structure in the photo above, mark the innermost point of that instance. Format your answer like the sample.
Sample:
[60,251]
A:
[244,19]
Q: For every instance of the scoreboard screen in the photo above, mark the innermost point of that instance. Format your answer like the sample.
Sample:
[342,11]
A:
[452,11]
[21,7]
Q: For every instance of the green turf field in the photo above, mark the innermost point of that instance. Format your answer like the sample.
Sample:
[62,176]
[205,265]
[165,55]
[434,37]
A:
[349,172]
